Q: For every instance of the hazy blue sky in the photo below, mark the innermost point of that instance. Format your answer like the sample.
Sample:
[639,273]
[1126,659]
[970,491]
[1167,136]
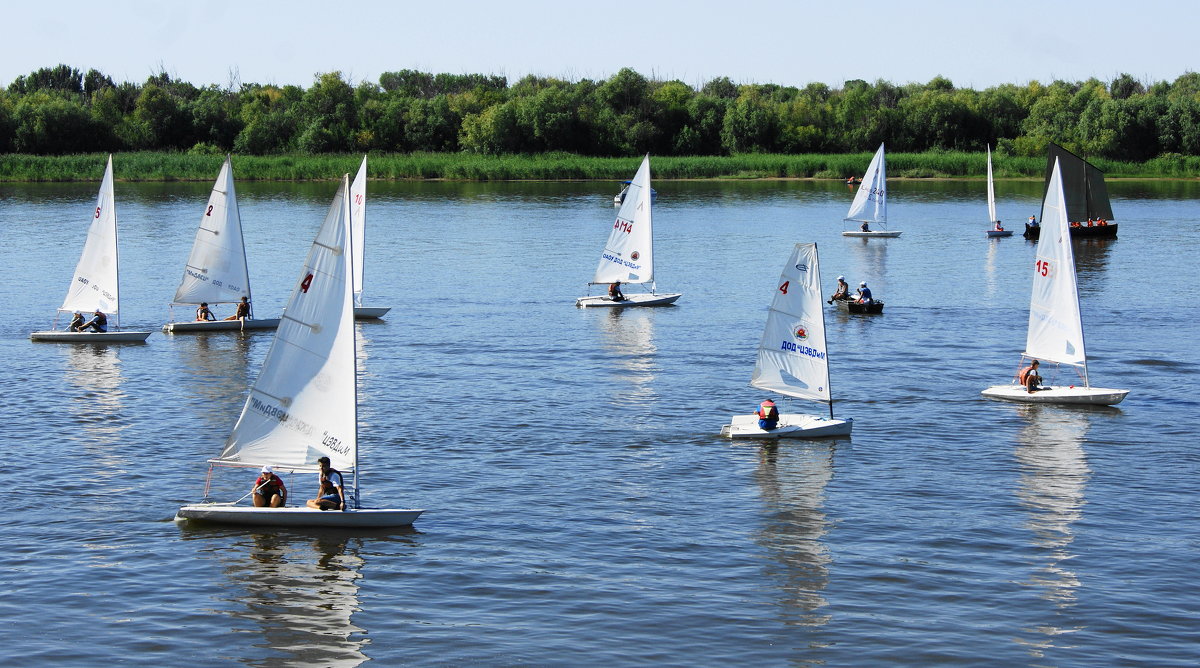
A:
[974,44]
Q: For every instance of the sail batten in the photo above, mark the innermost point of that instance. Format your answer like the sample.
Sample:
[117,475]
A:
[216,271]
[628,255]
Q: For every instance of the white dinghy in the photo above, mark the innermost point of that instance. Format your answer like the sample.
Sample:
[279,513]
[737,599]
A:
[870,202]
[996,229]
[1055,331]
[628,256]
[792,358]
[216,271]
[358,231]
[304,404]
[95,285]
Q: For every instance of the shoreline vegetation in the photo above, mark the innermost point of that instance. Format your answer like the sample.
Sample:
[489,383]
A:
[152,166]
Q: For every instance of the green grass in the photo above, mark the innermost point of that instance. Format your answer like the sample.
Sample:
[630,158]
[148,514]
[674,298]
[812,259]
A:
[153,166]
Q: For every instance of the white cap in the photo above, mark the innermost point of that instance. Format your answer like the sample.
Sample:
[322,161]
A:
[863,284]
[841,278]
[268,469]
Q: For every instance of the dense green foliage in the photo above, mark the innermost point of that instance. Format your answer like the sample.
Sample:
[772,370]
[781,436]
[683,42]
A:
[182,166]
[61,110]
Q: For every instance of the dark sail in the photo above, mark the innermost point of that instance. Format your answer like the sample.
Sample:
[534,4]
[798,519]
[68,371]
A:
[1083,184]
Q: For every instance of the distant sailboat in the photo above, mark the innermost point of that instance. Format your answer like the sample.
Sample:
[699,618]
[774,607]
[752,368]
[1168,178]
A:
[870,202]
[1088,209]
[792,356]
[304,404]
[995,229]
[95,285]
[1055,331]
[358,223]
[628,257]
[216,271]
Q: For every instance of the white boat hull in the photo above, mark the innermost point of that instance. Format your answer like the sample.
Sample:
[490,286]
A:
[219,325]
[643,299]
[370,312]
[297,517]
[791,425]
[999,233]
[884,234]
[1087,396]
[60,336]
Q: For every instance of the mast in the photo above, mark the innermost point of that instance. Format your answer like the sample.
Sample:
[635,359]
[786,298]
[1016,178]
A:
[116,260]
[829,387]
[349,274]
[245,262]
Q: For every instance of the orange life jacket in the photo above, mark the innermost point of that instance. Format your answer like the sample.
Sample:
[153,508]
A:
[767,411]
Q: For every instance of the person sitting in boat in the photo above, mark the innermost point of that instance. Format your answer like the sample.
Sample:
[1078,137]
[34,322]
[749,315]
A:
[98,323]
[999,227]
[614,292]
[269,490]
[243,310]
[864,294]
[1029,378]
[1033,221]
[768,415]
[331,491]
[76,324]
[865,227]
[843,291]
[202,312]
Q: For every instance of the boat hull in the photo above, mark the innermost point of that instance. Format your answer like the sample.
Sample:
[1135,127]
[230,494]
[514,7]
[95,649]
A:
[297,517]
[370,312]
[59,336]
[873,308]
[643,299]
[1084,396]
[219,326]
[868,235]
[791,425]
[1108,231]
[993,234]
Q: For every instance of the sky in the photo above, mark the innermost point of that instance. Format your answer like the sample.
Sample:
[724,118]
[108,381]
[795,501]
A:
[974,44]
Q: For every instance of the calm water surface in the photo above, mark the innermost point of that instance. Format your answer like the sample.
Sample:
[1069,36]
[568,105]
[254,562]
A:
[582,508]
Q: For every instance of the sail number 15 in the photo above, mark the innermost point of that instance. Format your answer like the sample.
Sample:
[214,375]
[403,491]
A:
[1042,268]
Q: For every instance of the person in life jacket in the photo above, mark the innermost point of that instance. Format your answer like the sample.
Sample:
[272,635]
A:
[269,489]
[614,292]
[768,415]
[98,323]
[1029,378]
[999,227]
[203,312]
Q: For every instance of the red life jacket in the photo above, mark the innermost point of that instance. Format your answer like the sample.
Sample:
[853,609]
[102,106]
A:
[767,411]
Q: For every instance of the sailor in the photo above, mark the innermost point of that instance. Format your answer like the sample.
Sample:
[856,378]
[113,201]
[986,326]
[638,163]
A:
[1033,221]
[243,310]
[76,324]
[1029,378]
[614,292]
[999,227]
[864,294]
[768,415]
[202,312]
[269,489]
[98,323]
[865,227]
[331,490]
[843,291]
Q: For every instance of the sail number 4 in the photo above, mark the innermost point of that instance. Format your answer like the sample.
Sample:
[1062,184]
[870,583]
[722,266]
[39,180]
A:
[304,285]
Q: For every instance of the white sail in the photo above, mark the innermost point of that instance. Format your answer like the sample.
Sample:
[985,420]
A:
[216,269]
[629,254]
[791,356]
[358,226]
[303,404]
[991,190]
[870,202]
[94,285]
[1055,325]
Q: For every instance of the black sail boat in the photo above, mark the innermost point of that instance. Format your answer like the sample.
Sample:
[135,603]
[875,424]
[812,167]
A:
[1088,210]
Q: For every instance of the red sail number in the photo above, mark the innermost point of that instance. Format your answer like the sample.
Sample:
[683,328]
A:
[783,288]
[1043,268]
[305,283]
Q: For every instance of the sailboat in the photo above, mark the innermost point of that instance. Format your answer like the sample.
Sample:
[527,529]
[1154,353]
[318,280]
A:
[792,357]
[1089,211]
[1055,331]
[358,222]
[994,227]
[216,271]
[95,286]
[628,257]
[870,202]
[304,403]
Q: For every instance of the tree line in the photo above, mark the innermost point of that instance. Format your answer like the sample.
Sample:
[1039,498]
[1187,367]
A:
[62,110]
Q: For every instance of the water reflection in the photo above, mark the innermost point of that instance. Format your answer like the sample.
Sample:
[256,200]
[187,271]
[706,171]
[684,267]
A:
[217,371]
[1051,487]
[94,372]
[868,262]
[792,483]
[1091,258]
[628,335]
[989,268]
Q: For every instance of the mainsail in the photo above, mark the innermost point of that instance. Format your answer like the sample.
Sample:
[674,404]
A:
[629,254]
[870,202]
[791,355]
[1084,191]
[991,189]
[358,226]
[216,269]
[94,285]
[1055,325]
[303,404]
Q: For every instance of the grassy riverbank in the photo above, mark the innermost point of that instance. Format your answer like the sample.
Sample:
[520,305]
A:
[152,166]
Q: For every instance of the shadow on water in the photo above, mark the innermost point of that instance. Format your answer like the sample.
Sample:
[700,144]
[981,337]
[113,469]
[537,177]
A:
[300,588]
[791,482]
[1052,489]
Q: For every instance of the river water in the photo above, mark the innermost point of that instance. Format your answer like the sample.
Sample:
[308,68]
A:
[581,505]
